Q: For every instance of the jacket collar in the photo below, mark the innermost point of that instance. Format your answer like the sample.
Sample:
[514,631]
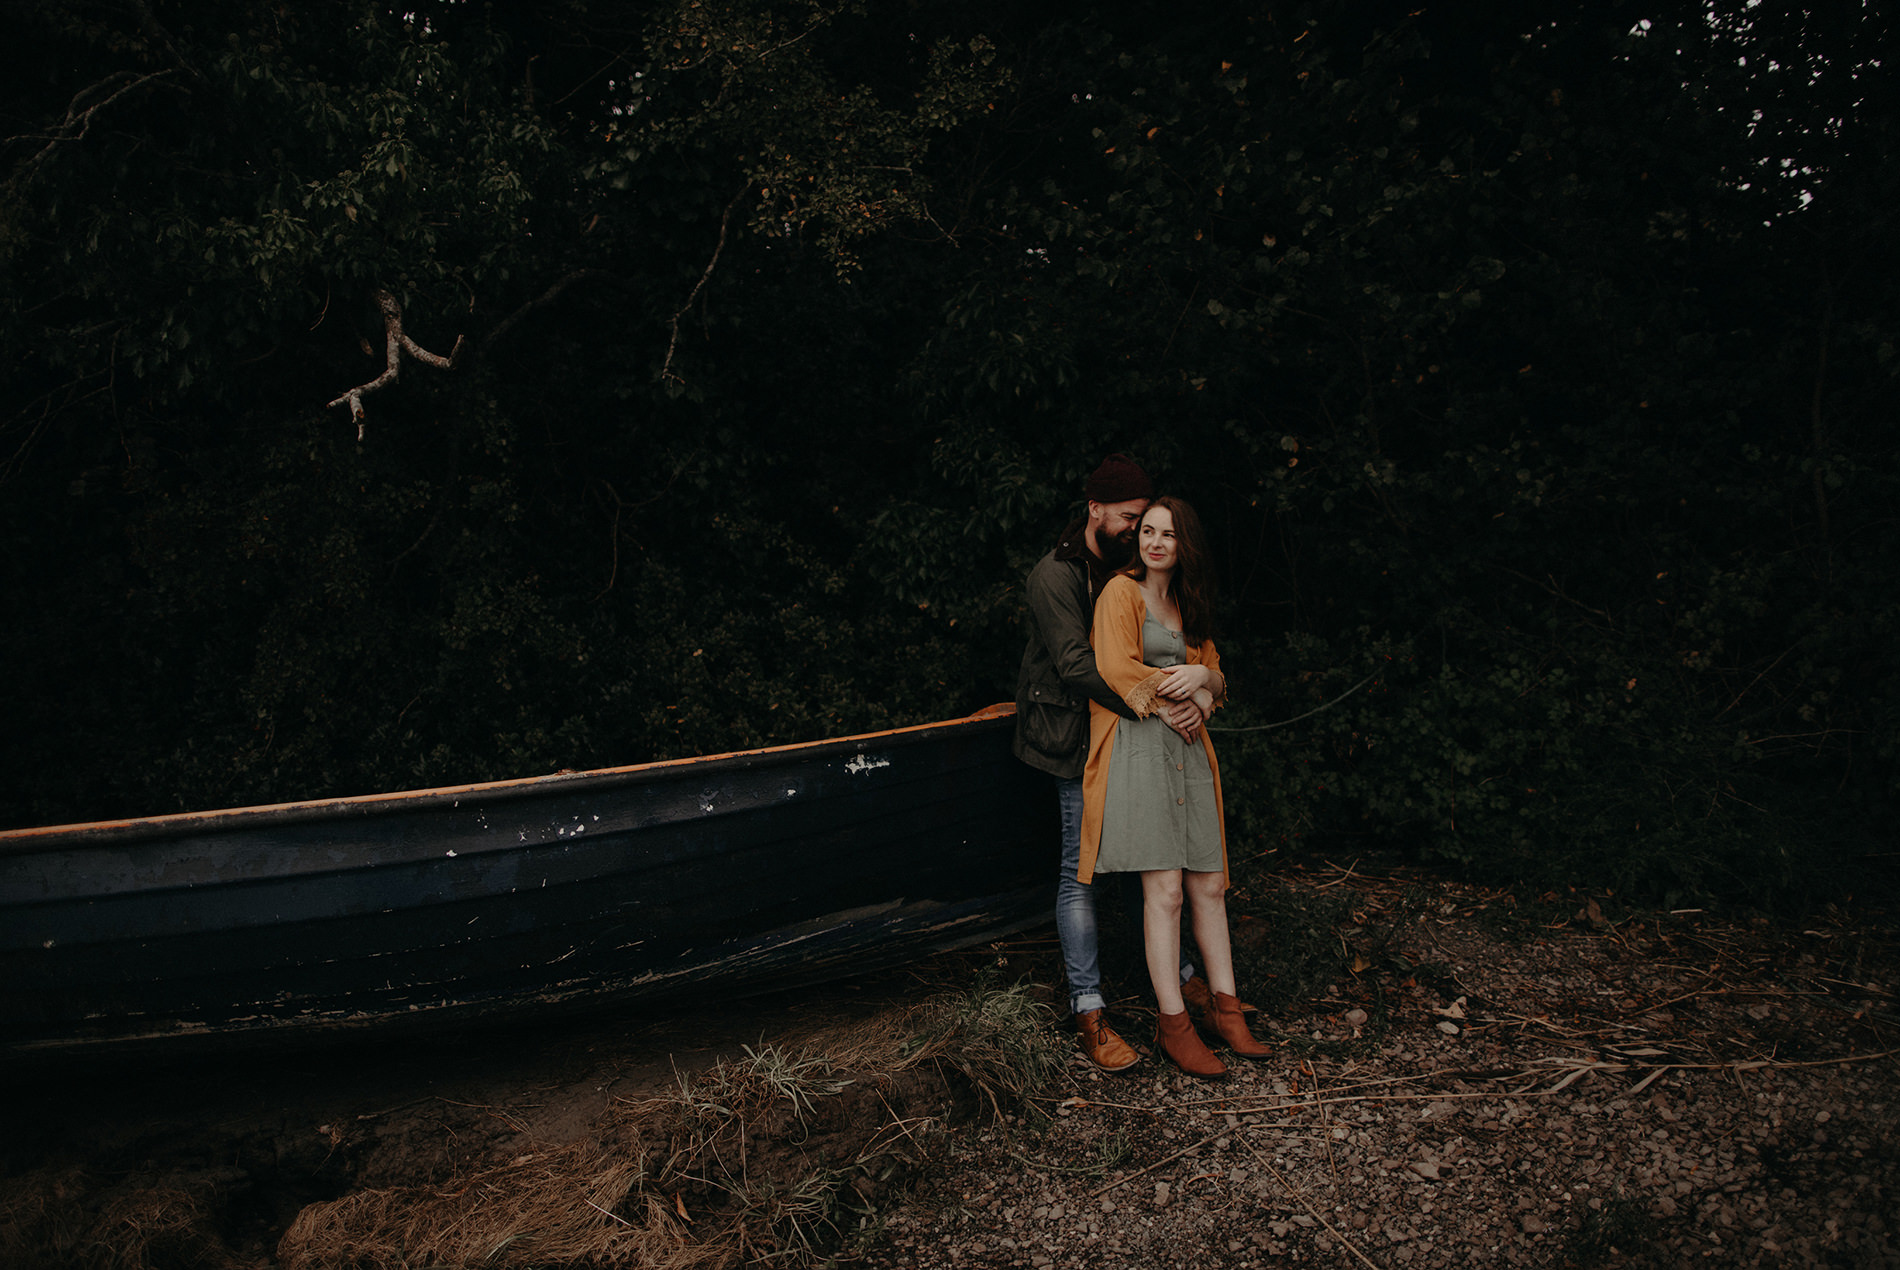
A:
[1074,543]
[1074,547]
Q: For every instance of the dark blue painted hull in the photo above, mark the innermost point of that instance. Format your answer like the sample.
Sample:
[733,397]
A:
[751,870]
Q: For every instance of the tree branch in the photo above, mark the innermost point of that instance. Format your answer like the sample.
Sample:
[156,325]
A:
[1817,421]
[155,31]
[545,298]
[666,367]
[78,122]
[395,344]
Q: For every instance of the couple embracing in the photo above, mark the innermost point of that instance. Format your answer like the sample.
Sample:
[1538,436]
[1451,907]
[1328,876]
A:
[1117,682]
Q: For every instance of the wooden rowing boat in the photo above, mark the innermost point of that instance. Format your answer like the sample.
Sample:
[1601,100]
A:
[748,871]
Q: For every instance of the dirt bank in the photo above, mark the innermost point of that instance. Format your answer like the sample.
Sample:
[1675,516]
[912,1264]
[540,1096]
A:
[1459,1078]
[209,1162]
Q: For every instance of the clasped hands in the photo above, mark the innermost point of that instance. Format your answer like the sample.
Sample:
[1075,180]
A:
[1186,699]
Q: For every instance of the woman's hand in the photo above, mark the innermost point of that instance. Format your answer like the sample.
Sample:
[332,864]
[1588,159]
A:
[1183,682]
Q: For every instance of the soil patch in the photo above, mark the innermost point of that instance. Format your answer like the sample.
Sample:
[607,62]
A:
[1461,1077]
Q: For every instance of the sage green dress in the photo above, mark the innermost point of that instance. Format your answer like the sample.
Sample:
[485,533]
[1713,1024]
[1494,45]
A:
[1159,809]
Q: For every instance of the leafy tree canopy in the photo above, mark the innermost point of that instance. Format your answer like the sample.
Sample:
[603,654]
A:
[1528,368]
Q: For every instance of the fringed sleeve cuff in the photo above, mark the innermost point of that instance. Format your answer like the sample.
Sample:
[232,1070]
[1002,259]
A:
[1142,698]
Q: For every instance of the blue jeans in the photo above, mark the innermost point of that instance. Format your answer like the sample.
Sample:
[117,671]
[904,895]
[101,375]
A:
[1075,910]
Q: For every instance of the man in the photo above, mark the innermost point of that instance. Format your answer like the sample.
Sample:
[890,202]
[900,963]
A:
[1053,689]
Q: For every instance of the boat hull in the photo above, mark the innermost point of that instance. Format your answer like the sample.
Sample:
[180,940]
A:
[748,871]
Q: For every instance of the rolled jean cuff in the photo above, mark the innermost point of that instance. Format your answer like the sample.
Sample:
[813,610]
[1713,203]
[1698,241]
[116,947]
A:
[1083,1002]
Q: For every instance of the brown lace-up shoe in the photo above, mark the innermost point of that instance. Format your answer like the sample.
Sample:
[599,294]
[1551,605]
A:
[1184,1048]
[1100,1042]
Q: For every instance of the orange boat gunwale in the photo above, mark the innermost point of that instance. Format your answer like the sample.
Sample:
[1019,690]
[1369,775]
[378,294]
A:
[104,831]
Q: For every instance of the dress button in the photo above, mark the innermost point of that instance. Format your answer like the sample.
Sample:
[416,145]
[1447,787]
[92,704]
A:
[1179,801]
[1177,767]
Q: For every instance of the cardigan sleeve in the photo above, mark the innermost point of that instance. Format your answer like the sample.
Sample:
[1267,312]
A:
[1206,655]
[1119,614]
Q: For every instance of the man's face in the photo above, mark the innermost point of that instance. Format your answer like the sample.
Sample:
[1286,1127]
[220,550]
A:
[1114,527]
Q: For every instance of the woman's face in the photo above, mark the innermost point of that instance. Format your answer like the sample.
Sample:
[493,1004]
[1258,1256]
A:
[1155,541]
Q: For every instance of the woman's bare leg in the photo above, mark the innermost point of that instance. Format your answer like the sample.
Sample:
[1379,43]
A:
[1207,899]
[1207,895]
[1161,936]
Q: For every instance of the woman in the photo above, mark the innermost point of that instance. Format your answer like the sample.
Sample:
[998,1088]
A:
[1151,800]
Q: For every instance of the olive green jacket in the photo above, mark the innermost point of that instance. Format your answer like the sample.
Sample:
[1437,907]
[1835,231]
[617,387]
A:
[1058,676]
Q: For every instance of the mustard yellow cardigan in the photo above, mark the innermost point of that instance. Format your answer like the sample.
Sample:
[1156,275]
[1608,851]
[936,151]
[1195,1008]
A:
[1119,614]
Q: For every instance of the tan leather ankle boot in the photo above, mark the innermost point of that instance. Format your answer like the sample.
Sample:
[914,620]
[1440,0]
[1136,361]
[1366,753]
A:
[1184,1048]
[1200,1000]
[1232,1026]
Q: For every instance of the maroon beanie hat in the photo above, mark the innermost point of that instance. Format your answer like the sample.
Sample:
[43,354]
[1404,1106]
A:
[1118,480]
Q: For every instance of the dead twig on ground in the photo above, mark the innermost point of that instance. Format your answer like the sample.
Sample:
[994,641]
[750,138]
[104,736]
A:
[1300,1195]
[1122,1181]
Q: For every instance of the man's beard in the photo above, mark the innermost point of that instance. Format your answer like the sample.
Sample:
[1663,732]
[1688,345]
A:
[1116,552]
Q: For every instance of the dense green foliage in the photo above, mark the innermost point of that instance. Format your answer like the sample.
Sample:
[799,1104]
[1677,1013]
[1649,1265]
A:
[1534,366]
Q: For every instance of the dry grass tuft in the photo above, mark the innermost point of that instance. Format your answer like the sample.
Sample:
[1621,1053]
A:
[157,1227]
[771,1158]
[47,1223]
[571,1206]
[40,1213]
[998,1038]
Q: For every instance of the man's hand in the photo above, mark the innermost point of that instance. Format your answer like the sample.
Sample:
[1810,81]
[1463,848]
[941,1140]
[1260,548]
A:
[1185,717]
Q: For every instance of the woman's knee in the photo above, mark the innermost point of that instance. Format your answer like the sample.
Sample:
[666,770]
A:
[1161,890]
[1206,888]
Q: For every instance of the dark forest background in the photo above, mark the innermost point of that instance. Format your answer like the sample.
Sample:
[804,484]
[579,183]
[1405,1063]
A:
[1537,365]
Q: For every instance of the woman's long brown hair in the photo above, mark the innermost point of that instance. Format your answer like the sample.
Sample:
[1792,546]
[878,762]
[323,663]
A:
[1192,585]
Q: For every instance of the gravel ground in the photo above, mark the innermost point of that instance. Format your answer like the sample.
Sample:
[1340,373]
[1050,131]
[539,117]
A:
[1458,1079]
[1500,1089]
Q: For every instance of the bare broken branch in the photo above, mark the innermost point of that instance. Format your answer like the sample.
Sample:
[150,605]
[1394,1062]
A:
[547,297]
[395,344]
[79,117]
[666,367]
